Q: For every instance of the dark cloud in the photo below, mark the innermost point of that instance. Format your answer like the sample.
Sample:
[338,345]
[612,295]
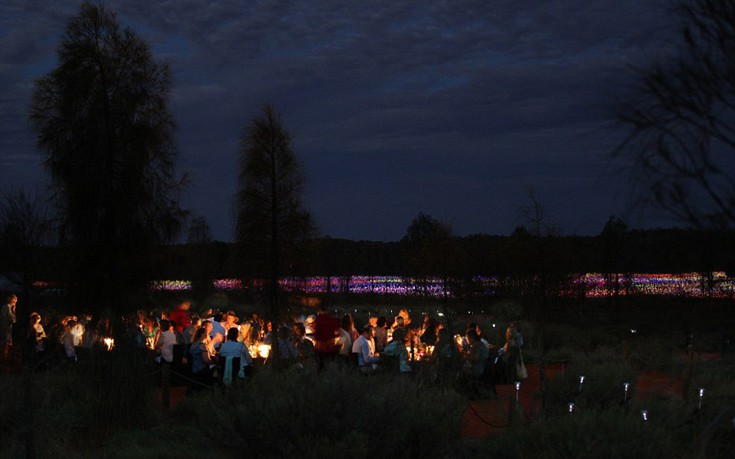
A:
[453,107]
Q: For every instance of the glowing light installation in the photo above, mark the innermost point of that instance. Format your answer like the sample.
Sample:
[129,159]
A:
[591,285]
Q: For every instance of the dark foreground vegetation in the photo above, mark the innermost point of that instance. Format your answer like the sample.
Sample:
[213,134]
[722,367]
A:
[108,405]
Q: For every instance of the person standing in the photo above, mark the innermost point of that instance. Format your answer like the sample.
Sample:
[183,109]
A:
[381,334]
[428,331]
[348,323]
[477,355]
[181,316]
[218,333]
[325,336]
[165,343]
[37,333]
[67,341]
[7,321]
[511,355]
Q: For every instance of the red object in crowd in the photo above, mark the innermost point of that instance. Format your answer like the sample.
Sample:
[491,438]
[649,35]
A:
[181,317]
[325,330]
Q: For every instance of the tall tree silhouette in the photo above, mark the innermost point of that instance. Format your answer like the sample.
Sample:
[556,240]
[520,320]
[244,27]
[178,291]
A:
[681,120]
[103,124]
[271,219]
[431,250]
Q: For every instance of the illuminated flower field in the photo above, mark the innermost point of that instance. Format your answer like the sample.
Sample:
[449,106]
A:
[685,285]
[716,285]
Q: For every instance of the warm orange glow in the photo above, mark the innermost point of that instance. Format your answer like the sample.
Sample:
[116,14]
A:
[259,350]
[264,350]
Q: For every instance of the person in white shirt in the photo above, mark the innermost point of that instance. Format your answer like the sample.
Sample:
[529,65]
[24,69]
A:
[230,320]
[165,343]
[67,340]
[217,335]
[233,348]
[364,347]
[344,341]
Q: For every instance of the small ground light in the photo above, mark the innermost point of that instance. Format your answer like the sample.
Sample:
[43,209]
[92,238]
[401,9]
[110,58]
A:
[633,331]
[518,389]
[701,395]
[644,415]
[493,325]
[570,407]
[581,381]
[626,385]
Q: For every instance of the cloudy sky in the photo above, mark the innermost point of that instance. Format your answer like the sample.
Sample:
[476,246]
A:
[451,108]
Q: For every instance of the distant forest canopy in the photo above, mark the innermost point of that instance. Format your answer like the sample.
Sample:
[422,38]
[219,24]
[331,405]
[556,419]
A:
[635,251]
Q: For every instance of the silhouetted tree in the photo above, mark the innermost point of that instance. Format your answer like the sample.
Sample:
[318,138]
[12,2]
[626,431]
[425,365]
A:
[199,240]
[542,272]
[104,126]
[431,250]
[536,266]
[421,229]
[681,120]
[199,232]
[415,242]
[271,219]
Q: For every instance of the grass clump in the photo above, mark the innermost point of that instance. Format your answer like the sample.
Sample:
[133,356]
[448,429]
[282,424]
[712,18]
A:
[591,433]
[604,372]
[73,407]
[324,414]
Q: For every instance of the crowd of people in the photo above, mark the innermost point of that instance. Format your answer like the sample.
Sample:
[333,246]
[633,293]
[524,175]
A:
[216,345]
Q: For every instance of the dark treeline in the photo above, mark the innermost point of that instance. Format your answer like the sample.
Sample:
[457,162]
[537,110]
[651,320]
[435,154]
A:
[650,251]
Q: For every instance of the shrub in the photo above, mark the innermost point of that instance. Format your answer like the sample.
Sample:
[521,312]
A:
[74,408]
[609,434]
[508,310]
[653,352]
[331,413]
[604,373]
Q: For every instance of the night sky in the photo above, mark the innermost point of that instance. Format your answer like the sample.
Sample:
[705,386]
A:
[451,108]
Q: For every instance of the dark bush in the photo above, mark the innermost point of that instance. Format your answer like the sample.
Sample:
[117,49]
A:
[329,414]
